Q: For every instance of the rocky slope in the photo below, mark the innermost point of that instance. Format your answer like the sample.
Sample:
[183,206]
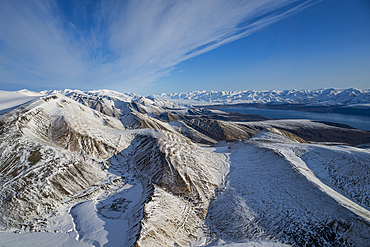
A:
[180,178]
[221,130]
[49,154]
[56,152]
[315,131]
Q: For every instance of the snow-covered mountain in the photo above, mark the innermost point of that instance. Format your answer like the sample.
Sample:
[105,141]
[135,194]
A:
[328,97]
[57,153]
[114,100]
[102,168]
[280,187]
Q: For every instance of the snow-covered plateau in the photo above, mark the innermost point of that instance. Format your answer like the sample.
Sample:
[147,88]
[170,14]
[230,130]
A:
[103,168]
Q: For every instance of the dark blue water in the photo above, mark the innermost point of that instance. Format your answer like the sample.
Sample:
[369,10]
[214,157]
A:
[355,121]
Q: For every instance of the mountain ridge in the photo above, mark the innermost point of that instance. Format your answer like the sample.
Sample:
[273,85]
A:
[103,168]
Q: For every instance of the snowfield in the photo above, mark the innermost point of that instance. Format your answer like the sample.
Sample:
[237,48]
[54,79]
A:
[10,100]
[271,193]
[103,168]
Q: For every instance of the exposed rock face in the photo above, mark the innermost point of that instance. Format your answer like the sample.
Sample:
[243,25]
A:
[35,178]
[180,178]
[196,112]
[220,130]
[137,120]
[102,105]
[178,222]
[316,131]
[170,117]
[116,105]
[191,133]
[54,153]
[286,134]
[61,122]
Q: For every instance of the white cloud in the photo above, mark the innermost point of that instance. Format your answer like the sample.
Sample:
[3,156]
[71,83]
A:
[34,45]
[129,44]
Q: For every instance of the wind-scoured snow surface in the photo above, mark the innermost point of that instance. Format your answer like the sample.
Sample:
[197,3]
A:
[100,168]
[10,100]
[328,97]
[299,193]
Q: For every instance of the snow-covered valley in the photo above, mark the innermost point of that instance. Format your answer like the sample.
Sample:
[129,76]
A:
[103,168]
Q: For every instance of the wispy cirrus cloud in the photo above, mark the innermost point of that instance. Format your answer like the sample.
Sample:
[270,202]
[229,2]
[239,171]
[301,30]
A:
[120,44]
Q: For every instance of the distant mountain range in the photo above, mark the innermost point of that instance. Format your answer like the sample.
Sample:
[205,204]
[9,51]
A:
[359,98]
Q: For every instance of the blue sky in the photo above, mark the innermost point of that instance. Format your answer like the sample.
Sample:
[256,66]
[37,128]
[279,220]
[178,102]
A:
[158,46]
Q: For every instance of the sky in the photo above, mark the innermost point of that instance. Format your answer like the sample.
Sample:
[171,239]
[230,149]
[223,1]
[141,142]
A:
[155,46]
